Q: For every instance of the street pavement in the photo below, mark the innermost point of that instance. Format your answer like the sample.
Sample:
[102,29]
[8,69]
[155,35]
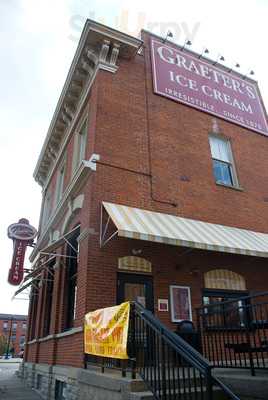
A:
[11,387]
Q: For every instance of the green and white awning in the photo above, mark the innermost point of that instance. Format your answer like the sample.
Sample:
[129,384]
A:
[158,227]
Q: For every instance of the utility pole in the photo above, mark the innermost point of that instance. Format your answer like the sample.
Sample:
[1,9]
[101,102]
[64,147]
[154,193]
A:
[9,336]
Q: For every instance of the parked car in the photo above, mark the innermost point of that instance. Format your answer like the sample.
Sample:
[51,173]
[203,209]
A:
[6,356]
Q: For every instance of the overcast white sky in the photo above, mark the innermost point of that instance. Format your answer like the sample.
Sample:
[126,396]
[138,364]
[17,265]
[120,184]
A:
[38,40]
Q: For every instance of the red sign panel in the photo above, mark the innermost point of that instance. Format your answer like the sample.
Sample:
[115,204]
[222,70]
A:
[22,234]
[15,274]
[204,86]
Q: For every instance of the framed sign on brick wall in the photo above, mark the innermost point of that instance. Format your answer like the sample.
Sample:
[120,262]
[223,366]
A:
[180,303]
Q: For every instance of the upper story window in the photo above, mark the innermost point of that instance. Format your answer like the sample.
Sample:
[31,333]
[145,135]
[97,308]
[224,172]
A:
[46,208]
[22,341]
[14,326]
[49,285]
[24,325]
[60,182]
[71,280]
[33,313]
[80,145]
[223,162]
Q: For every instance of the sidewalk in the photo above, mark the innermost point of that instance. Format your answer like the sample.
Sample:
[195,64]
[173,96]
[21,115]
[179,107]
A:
[10,360]
[13,388]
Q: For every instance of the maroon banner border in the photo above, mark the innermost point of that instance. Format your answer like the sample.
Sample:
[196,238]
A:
[160,92]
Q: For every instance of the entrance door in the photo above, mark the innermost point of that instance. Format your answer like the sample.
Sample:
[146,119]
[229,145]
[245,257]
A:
[132,287]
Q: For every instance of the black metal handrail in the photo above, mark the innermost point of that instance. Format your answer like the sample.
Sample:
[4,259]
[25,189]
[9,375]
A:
[235,299]
[225,389]
[235,332]
[177,343]
[170,367]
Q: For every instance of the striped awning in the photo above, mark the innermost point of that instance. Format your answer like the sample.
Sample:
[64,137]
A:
[141,224]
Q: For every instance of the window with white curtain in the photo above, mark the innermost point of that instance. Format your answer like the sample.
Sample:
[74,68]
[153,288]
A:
[46,209]
[223,162]
[80,145]
[60,182]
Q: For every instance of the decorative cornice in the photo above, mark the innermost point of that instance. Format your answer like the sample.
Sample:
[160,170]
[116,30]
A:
[99,47]
[68,132]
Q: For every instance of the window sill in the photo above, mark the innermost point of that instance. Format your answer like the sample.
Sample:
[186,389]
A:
[58,335]
[45,338]
[32,341]
[69,332]
[240,189]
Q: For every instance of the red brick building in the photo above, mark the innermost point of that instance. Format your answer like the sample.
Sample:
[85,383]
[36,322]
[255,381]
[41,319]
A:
[13,327]
[194,187]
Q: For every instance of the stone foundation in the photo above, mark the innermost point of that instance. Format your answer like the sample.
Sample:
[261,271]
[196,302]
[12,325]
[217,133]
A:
[43,379]
[77,383]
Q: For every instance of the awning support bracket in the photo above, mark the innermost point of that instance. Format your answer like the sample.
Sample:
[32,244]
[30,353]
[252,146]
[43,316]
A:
[42,264]
[103,229]
[56,255]
[69,244]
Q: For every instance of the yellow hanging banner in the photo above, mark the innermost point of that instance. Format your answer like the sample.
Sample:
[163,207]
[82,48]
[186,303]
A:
[106,331]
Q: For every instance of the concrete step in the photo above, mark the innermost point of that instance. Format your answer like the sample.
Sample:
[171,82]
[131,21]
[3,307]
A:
[244,385]
[187,374]
[141,396]
[187,394]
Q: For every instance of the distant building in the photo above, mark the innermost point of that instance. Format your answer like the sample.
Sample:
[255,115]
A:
[14,326]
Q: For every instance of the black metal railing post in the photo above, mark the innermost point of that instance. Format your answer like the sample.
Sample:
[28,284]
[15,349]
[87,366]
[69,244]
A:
[247,327]
[169,366]
[163,365]
[209,385]
[235,332]
[102,365]
[123,368]
[85,361]
[132,349]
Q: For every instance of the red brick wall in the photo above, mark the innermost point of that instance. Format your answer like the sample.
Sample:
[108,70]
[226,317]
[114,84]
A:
[179,146]
[31,353]
[70,350]
[147,143]
[170,266]
[46,352]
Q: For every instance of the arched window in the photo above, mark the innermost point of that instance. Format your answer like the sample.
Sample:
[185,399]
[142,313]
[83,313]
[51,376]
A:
[222,293]
[135,264]
[224,279]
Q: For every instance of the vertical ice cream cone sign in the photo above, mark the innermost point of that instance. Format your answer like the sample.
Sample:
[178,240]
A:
[22,234]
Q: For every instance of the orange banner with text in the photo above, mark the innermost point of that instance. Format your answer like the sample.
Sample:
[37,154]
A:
[106,331]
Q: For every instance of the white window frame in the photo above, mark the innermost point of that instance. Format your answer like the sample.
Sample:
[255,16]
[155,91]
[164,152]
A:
[22,340]
[231,161]
[60,182]
[46,208]
[80,143]
[171,287]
